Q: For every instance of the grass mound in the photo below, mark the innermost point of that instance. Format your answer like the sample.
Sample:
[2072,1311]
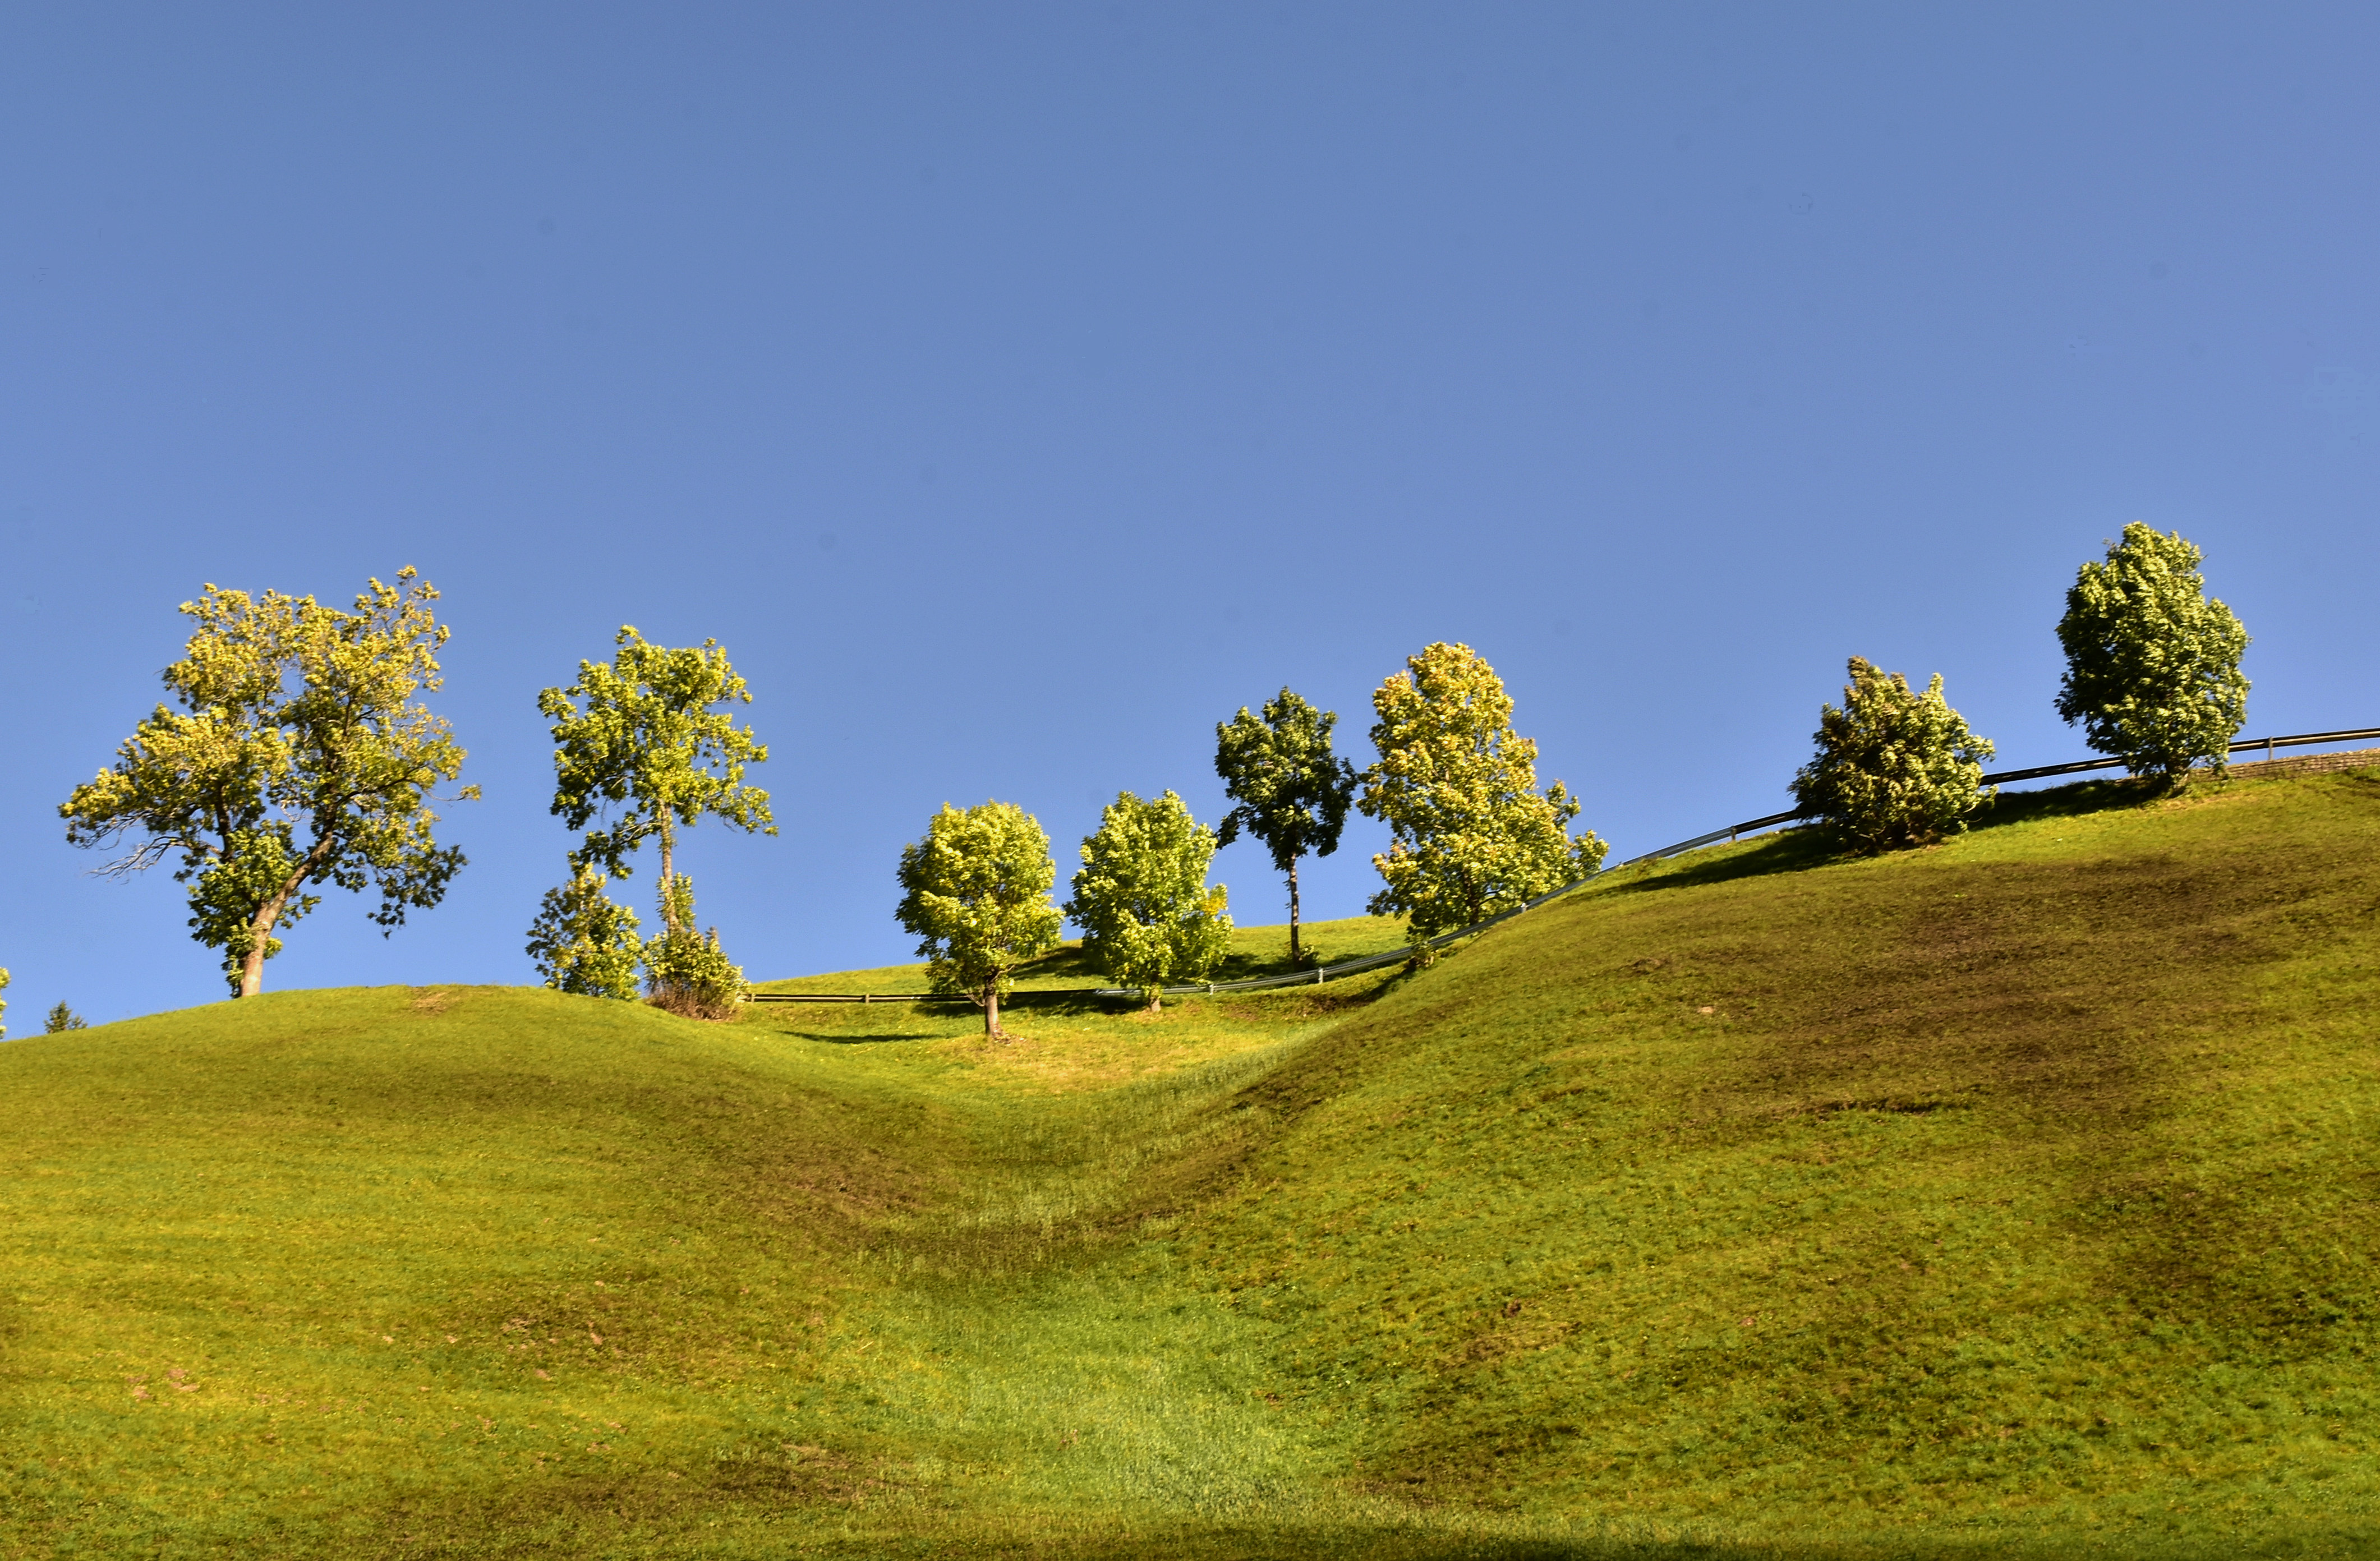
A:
[2015,1196]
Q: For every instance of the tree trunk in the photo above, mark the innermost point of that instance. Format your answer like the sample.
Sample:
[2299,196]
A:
[1293,910]
[991,1031]
[251,964]
[669,871]
[1156,1000]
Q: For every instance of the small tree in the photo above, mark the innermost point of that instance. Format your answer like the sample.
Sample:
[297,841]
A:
[586,942]
[302,758]
[1472,837]
[2151,664]
[1894,767]
[63,1018]
[977,894]
[1292,792]
[1142,900]
[637,745]
[4,1003]
[685,970]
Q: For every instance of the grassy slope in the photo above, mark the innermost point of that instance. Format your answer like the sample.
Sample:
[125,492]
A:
[2019,1189]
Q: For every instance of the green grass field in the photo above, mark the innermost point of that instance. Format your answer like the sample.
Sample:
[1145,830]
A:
[2019,1196]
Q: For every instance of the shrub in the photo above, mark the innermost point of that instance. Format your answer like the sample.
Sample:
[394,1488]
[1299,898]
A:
[586,942]
[1894,767]
[2151,663]
[686,973]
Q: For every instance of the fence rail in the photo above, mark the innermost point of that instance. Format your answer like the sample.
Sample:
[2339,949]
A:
[1321,973]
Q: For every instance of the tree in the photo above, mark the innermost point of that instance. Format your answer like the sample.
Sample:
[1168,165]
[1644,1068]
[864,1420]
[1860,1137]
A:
[977,897]
[687,972]
[3,1004]
[302,758]
[2151,664]
[1457,787]
[63,1018]
[1142,900]
[1292,792]
[637,745]
[584,941]
[1894,767]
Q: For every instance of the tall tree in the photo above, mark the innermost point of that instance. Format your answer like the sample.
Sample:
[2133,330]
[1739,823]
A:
[301,757]
[1894,767]
[1292,792]
[977,894]
[637,745]
[2151,663]
[1142,898]
[1458,788]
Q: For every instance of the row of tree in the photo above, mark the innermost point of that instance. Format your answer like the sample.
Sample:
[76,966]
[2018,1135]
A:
[1471,835]
[301,755]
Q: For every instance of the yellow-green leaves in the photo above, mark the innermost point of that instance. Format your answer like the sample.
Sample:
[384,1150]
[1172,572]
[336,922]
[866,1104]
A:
[1894,767]
[300,756]
[976,892]
[1459,789]
[585,942]
[2151,663]
[638,744]
[1142,900]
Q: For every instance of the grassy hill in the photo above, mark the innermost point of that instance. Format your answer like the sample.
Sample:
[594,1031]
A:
[2018,1196]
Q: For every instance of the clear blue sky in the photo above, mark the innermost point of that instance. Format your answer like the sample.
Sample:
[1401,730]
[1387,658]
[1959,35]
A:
[1016,391]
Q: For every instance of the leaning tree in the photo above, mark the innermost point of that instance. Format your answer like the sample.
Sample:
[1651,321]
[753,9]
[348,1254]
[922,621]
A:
[299,757]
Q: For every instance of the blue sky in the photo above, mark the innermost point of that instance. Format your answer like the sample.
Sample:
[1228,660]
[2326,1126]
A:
[1018,391]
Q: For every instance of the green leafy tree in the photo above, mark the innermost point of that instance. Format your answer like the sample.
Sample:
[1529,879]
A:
[1142,900]
[976,892]
[638,747]
[1292,792]
[685,970]
[1458,789]
[586,942]
[2151,663]
[1894,767]
[63,1018]
[4,1005]
[299,757]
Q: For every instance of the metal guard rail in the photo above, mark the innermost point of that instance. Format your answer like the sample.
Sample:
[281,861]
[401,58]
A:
[1321,973]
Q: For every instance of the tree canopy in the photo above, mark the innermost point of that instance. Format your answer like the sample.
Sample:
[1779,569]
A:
[1458,788]
[1292,792]
[976,892]
[2151,663]
[1142,898]
[1894,767]
[301,756]
[637,747]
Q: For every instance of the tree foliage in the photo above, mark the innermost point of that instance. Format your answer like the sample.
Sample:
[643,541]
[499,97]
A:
[1292,792]
[685,970]
[62,1019]
[3,1004]
[299,757]
[1458,788]
[638,747]
[584,941]
[1142,898]
[976,892]
[2151,663]
[1894,767]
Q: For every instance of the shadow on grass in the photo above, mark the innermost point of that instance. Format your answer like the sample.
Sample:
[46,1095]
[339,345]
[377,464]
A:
[1802,847]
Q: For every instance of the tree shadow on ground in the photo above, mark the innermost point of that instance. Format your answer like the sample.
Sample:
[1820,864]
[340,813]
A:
[1801,847]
